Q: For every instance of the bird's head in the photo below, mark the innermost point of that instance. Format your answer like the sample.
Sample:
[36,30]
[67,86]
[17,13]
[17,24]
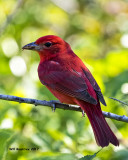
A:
[47,46]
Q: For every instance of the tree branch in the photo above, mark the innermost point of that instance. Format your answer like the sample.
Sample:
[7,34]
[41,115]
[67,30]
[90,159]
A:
[59,105]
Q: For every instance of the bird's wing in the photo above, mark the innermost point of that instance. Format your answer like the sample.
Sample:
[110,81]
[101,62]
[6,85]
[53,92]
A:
[68,82]
[94,85]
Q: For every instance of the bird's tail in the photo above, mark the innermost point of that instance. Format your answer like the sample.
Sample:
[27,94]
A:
[103,133]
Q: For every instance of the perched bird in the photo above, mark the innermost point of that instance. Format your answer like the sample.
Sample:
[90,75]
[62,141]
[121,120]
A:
[68,79]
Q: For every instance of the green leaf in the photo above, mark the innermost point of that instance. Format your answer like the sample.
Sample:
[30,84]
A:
[6,138]
[89,157]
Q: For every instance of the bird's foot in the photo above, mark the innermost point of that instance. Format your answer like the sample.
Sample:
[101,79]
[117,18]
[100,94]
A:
[53,104]
[83,113]
[53,107]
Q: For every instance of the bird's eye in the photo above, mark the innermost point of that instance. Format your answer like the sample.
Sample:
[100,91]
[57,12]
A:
[48,44]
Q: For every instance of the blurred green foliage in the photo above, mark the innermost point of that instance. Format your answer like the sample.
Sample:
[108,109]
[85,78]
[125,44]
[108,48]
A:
[98,33]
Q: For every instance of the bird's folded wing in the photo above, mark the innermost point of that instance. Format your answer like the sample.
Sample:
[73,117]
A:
[68,83]
[94,85]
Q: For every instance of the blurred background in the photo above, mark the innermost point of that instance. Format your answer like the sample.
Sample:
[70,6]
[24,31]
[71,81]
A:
[98,33]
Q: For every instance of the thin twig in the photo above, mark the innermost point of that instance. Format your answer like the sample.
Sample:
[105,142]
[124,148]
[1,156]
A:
[58,105]
[124,103]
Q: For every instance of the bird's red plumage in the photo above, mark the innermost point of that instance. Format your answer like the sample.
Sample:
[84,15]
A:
[66,76]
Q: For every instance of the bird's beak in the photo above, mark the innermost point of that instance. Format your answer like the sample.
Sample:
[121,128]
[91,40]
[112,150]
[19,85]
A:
[32,46]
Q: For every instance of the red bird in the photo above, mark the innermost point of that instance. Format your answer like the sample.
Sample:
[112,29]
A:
[67,77]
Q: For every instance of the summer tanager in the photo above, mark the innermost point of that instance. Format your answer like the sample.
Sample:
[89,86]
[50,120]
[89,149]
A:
[68,79]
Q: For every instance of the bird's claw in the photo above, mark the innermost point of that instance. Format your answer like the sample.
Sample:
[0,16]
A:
[53,103]
[83,113]
[53,107]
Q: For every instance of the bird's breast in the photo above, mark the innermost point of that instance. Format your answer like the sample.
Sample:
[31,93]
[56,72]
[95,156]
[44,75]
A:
[45,68]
